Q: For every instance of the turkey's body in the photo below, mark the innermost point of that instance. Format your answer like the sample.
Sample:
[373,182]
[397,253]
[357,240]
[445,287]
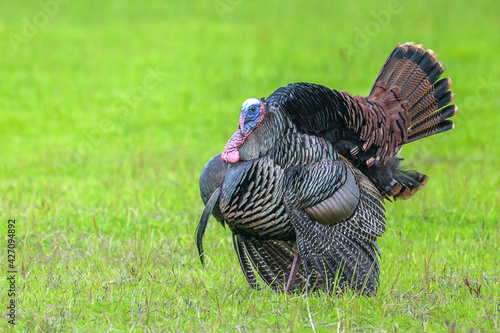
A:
[301,182]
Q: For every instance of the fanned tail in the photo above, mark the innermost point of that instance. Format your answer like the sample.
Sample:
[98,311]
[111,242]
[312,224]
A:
[411,73]
[409,84]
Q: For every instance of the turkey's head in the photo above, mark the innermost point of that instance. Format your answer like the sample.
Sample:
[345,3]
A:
[252,114]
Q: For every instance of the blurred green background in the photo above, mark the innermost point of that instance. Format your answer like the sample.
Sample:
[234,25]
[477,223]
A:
[109,110]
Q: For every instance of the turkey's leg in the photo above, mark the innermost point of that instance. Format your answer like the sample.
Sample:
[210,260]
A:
[292,271]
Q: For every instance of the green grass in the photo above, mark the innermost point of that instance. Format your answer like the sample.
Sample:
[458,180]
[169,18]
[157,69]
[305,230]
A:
[110,110]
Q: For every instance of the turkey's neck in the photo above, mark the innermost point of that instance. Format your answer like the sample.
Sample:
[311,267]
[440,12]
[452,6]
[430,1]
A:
[273,127]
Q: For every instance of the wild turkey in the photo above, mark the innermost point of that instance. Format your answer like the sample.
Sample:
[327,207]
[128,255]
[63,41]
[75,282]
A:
[301,182]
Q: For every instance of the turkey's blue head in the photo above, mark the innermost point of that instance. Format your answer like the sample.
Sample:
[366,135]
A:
[252,114]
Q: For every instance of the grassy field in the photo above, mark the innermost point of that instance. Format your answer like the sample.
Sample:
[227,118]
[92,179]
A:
[109,111]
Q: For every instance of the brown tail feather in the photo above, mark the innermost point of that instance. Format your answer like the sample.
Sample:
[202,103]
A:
[433,119]
[434,129]
[413,72]
[408,86]
[435,98]
[425,75]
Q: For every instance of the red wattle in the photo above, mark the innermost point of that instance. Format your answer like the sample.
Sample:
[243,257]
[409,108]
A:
[230,153]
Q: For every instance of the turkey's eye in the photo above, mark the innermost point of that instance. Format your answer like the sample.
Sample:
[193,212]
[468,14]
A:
[253,112]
